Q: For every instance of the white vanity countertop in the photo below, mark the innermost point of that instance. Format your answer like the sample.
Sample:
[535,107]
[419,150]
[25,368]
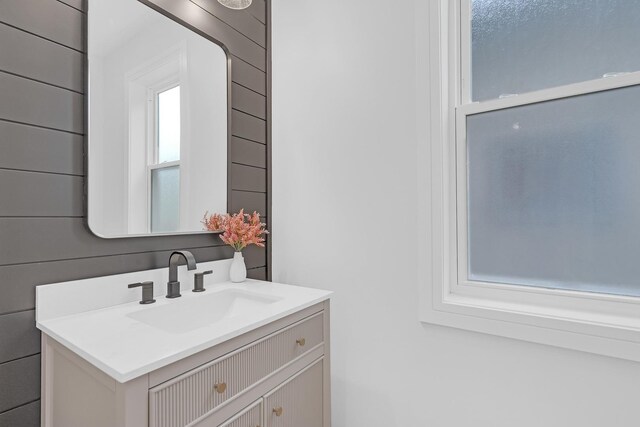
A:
[126,348]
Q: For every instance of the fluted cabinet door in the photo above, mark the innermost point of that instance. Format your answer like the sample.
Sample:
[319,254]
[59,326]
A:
[252,417]
[298,402]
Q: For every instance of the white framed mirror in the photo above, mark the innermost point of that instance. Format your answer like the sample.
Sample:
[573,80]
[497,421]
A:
[158,123]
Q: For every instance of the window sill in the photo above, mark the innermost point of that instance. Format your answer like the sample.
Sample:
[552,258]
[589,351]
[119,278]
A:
[598,333]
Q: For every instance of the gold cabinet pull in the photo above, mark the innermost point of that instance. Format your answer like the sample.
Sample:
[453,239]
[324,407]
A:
[278,411]
[220,387]
[301,342]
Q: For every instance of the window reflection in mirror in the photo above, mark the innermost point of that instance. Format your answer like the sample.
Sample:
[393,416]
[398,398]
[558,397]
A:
[164,164]
[157,142]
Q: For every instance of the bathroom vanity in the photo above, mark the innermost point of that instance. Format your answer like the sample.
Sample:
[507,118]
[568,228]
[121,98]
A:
[237,355]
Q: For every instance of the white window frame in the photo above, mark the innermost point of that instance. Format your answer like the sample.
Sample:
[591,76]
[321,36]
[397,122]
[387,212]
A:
[150,169]
[596,323]
[163,71]
[153,136]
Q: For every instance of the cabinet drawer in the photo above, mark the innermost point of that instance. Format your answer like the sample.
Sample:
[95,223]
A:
[185,399]
[252,417]
[249,417]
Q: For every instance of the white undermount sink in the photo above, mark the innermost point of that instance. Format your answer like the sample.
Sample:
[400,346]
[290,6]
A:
[185,315]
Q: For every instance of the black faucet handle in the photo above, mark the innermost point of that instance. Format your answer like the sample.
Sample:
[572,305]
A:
[198,281]
[147,291]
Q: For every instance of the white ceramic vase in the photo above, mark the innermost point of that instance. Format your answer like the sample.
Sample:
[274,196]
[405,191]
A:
[238,271]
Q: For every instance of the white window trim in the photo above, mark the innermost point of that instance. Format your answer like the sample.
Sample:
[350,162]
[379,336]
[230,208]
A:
[150,169]
[153,149]
[153,92]
[602,324]
[164,71]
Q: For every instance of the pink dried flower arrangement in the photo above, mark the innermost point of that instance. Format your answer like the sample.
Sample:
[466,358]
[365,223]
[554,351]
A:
[238,230]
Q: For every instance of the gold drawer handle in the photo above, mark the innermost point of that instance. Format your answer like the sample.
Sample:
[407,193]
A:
[220,387]
[301,342]
[278,411]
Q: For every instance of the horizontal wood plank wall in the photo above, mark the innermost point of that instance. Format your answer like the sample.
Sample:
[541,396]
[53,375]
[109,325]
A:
[43,232]
[25,415]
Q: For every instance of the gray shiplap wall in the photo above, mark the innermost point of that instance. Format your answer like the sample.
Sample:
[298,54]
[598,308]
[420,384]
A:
[43,236]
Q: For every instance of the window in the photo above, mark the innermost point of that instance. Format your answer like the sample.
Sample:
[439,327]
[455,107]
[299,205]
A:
[158,129]
[164,165]
[536,212]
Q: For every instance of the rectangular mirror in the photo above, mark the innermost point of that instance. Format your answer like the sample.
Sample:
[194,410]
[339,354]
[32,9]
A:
[158,122]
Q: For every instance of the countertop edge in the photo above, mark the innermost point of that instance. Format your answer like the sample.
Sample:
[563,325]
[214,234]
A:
[123,377]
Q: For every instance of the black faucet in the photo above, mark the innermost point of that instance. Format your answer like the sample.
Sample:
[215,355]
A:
[173,285]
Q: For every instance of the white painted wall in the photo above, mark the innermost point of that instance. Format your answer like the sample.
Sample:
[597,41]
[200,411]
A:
[350,107]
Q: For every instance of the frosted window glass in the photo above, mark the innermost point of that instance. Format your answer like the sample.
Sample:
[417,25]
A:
[554,194]
[169,125]
[524,45]
[165,199]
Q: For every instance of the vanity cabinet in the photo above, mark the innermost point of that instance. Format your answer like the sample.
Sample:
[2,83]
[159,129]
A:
[274,376]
